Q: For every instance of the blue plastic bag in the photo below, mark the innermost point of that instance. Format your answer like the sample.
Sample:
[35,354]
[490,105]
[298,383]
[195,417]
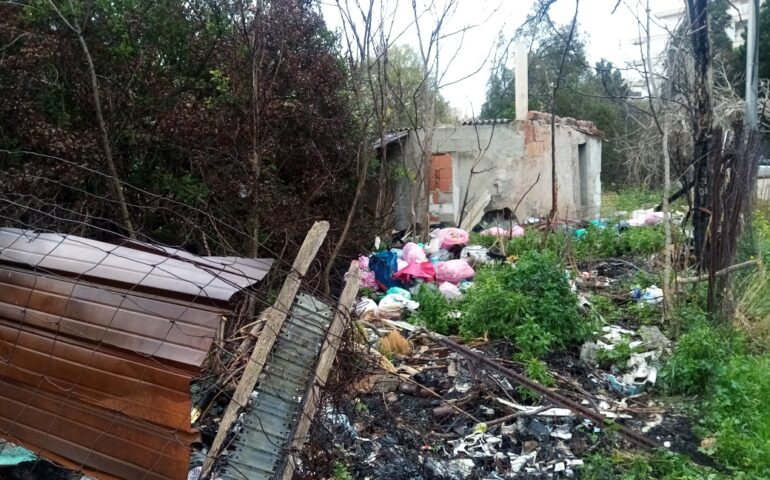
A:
[384,265]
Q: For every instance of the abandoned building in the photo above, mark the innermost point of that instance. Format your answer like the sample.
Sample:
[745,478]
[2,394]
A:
[480,166]
[514,169]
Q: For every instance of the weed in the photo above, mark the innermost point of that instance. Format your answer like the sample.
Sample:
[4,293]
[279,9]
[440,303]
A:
[629,199]
[536,370]
[529,304]
[533,340]
[434,311]
[341,472]
[659,465]
[483,240]
[360,407]
[699,357]
[618,355]
[737,415]
[366,293]
[641,241]
[534,240]
[607,310]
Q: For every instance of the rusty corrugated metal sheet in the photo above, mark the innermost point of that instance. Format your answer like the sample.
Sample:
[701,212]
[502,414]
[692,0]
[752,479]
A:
[97,375]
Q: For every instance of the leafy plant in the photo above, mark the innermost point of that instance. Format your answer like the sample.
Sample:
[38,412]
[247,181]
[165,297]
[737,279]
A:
[341,472]
[700,356]
[618,355]
[435,311]
[536,370]
[529,303]
[738,415]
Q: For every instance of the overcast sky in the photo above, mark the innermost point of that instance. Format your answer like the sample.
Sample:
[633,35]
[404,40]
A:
[607,35]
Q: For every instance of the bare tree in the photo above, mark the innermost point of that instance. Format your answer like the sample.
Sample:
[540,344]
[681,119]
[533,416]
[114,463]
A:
[552,216]
[367,36]
[74,25]
[701,119]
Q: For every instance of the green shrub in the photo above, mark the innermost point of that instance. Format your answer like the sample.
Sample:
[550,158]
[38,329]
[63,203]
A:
[536,370]
[530,304]
[737,415]
[434,312]
[640,241]
[700,355]
[618,356]
[659,465]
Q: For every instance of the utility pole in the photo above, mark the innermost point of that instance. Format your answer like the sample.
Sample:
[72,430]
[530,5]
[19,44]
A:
[752,61]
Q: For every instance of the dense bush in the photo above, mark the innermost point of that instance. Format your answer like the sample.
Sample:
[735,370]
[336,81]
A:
[529,303]
[700,355]
[435,311]
[737,415]
[711,360]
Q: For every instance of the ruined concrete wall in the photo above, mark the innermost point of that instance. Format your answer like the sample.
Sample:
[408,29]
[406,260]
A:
[507,159]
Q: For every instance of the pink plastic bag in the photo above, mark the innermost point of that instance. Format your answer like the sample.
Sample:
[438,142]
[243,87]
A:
[653,218]
[451,237]
[450,291]
[414,253]
[422,270]
[516,231]
[363,262]
[367,280]
[454,271]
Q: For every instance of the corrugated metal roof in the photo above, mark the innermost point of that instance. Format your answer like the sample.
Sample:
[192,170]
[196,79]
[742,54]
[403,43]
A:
[490,121]
[184,274]
[94,370]
[391,137]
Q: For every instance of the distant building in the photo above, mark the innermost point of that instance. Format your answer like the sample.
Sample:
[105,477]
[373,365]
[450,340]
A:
[664,21]
[514,169]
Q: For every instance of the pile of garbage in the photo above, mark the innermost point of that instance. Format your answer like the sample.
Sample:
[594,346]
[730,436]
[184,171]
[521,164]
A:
[429,413]
[445,261]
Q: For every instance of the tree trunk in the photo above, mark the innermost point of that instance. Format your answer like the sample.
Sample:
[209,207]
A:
[105,139]
[702,124]
[429,125]
[363,168]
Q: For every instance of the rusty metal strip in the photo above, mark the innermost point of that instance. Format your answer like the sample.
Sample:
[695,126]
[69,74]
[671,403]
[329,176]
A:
[260,447]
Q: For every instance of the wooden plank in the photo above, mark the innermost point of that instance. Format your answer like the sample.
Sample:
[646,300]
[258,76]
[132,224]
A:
[274,318]
[329,349]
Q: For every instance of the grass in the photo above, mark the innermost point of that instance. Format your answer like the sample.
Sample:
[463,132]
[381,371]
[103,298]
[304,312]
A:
[629,199]
[658,465]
